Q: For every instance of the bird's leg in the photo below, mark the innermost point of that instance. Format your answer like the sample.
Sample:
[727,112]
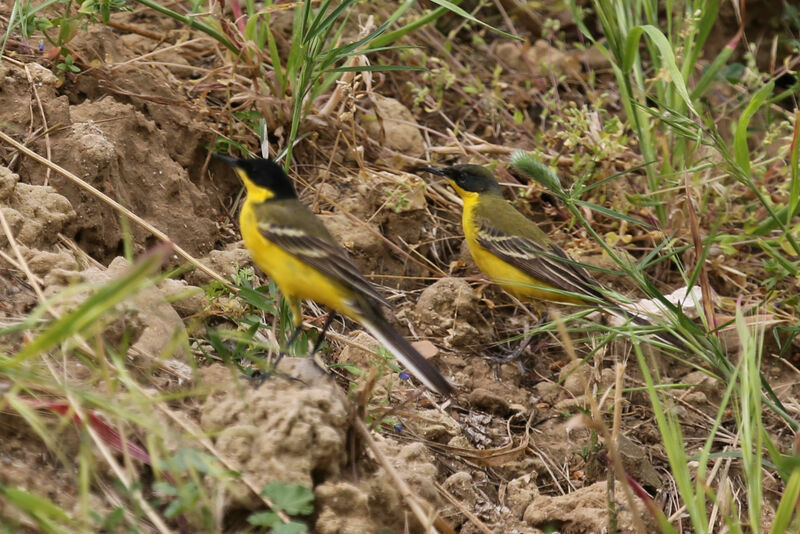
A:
[297,319]
[321,337]
[516,354]
[261,376]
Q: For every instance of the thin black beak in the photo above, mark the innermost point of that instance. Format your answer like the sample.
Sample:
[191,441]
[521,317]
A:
[432,170]
[233,162]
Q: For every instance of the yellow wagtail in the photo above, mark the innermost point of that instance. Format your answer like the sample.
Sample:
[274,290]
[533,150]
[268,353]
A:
[517,255]
[291,245]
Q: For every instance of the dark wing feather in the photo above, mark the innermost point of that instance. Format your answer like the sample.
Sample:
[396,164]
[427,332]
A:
[546,263]
[325,256]
[550,264]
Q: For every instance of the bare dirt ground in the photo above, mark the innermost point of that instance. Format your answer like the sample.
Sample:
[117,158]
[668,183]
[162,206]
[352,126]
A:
[506,454]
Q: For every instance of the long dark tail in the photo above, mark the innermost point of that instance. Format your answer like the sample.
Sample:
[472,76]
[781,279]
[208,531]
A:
[406,354]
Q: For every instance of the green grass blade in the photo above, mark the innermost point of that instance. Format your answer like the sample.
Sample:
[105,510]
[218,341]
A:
[668,59]
[277,67]
[458,11]
[631,49]
[694,41]
[390,37]
[48,516]
[366,51]
[321,24]
[673,442]
[375,68]
[710,10]
[614,214]
[750,422]
[787,508]
[193,22]
[340,52]
[741,153]
[93,308]
[794,192]
[712,71]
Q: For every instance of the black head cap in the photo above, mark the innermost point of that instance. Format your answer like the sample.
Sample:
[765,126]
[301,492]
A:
[263,173]
[473,178]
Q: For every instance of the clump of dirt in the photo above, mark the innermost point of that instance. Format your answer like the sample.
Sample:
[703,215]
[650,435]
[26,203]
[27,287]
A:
[584,510]
[344,508]
[361,351]
[542,57]
[296,433]
[283,431]
[225,262]
[394,124]
[417,466]
[36,214]
[16,295]
[147,322]
[450,309]
[433,425]
[17,97]
[520,492]
[362,240]
[105,144]
[44,262]
[373,503]
[135,150]
[154,91]
[373,211]
[186,299]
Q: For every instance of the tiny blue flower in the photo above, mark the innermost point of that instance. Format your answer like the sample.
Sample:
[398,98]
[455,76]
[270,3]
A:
[404,375]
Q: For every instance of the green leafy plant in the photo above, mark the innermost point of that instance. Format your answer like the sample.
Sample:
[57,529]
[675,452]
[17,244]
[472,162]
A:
[317,57]
[60,30]
[293,499]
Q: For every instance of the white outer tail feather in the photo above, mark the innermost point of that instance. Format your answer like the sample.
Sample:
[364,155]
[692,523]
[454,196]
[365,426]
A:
[398,352]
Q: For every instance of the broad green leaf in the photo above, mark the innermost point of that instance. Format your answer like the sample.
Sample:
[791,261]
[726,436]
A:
[292,527]
[258,299]
[264,519]
[293,499]
[631,48]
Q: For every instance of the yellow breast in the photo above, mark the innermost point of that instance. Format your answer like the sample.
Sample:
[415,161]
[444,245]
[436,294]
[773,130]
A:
[510,278]
[295,279]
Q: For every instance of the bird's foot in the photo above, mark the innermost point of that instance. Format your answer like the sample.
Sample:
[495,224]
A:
[258,376]
[514,355]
